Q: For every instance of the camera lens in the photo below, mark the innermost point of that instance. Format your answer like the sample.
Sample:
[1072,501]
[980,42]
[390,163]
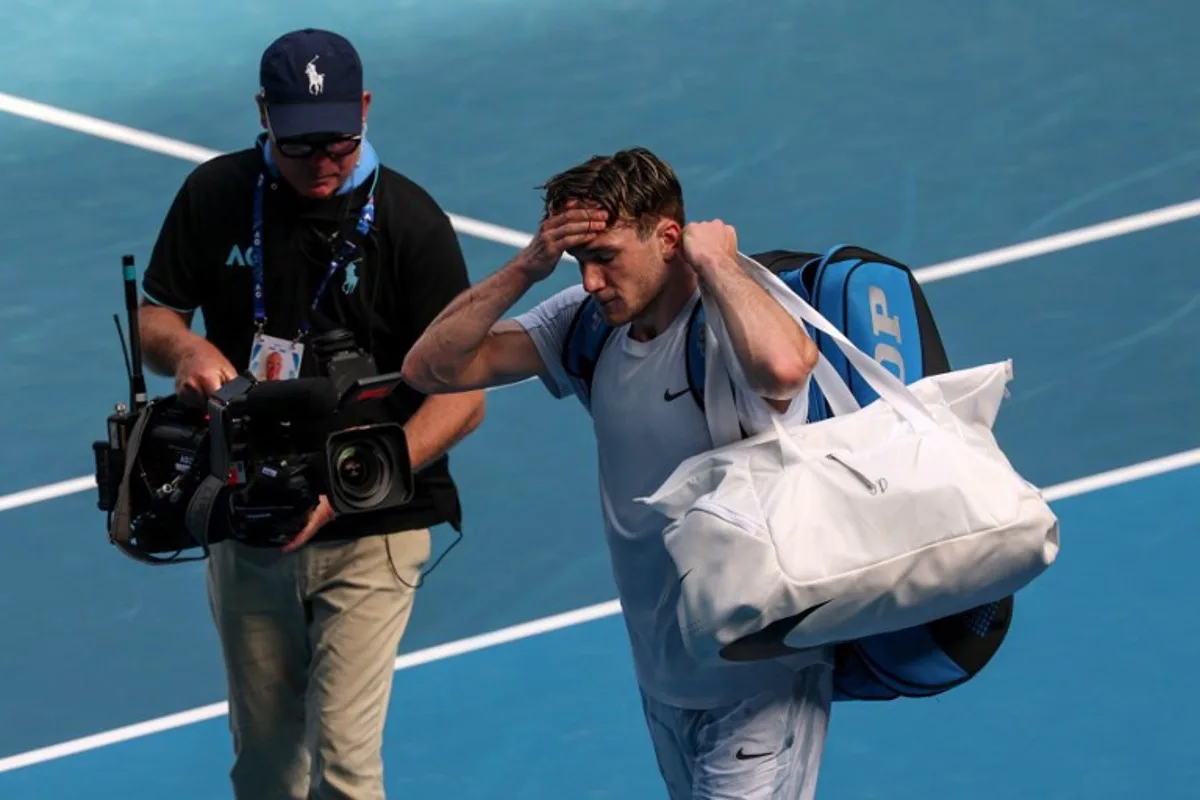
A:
[363,471]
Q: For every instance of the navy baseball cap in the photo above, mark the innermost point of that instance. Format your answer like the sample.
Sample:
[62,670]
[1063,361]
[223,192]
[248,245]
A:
[312,82]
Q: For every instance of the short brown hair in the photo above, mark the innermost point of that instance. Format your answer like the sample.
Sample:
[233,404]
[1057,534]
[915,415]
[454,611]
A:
[632,185]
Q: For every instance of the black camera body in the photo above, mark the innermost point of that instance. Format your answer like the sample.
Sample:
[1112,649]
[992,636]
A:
[146,472]
[280,445]
[255,460]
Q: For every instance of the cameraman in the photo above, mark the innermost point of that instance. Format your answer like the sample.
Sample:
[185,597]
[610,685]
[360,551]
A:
[309,631]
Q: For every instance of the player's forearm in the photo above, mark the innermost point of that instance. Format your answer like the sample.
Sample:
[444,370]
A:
[166,338]
[440,423]
[772,348]
[443,356]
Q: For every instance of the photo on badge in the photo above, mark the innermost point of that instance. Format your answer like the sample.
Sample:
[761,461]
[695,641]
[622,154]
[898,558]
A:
[275,359]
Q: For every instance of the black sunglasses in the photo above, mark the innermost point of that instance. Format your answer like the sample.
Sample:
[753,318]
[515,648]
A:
[338,147]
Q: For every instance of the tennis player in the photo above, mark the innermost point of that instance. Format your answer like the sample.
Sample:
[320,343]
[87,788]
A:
[744,731]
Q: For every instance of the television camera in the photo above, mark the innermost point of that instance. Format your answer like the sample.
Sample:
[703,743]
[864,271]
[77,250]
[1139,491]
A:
[254,460]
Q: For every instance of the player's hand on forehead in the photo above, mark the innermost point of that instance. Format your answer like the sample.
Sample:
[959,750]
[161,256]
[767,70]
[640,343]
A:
[572,227]
[576,223]
[578,210]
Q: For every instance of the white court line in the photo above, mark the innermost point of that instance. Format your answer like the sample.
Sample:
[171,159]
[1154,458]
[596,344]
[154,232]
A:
[47,492]
[1092,483]
[1060,241]
[1122,475]
[1122,226]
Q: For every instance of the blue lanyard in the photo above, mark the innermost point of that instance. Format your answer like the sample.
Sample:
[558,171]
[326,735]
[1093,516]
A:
[256,260]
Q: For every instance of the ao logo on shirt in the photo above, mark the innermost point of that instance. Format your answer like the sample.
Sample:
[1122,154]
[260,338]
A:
[239,257]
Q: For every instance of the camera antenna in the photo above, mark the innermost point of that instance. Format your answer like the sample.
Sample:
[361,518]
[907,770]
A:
[133,357]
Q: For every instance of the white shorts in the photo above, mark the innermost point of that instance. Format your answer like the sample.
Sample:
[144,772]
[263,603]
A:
[767,747]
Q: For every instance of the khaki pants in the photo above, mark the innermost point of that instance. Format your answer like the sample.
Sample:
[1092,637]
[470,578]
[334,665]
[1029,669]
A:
[309,640]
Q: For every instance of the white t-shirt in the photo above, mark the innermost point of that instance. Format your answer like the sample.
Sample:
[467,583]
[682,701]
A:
[646,423]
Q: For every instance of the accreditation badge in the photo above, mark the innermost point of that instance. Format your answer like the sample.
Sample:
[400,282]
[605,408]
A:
[275,359]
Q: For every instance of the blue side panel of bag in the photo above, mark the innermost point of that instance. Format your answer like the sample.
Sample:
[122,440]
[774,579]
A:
[872,303]
[905,663]
[881,318]
[854,680]
[922,661]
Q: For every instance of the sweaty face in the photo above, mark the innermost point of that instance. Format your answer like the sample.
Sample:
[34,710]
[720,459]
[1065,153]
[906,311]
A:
[316,166]
[624,272]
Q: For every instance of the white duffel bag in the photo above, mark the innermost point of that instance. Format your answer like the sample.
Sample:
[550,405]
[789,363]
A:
[877,519]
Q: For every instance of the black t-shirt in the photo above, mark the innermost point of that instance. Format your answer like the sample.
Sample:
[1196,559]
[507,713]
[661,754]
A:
[405,272]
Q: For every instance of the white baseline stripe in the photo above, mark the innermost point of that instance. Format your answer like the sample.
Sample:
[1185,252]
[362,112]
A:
[1122,475]
[1060,241]
[48,492]
[495,233]
[526,630]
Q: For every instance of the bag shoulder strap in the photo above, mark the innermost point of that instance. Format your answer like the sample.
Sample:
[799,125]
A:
[582,345]
[694,354]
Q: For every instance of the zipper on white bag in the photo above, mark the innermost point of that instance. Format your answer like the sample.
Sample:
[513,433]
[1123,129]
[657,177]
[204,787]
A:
[869,484]
[729,516]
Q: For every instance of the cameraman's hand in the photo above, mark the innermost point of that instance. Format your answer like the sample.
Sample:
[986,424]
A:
[320,515]
[200,371]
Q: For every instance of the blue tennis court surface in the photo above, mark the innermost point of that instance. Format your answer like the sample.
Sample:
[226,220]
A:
[930,130]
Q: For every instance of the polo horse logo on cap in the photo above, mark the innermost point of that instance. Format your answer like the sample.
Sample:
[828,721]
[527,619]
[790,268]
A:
[316,80]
